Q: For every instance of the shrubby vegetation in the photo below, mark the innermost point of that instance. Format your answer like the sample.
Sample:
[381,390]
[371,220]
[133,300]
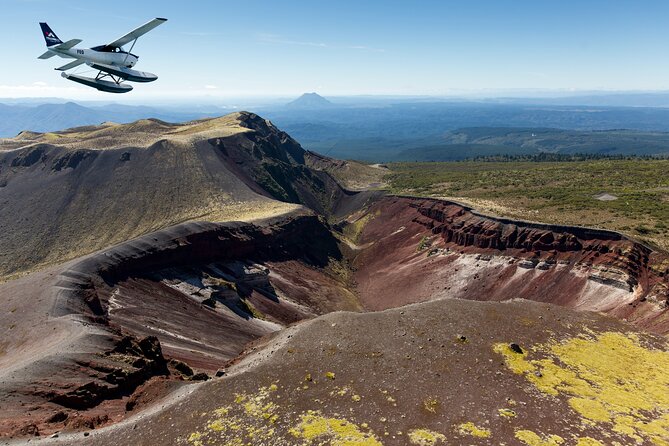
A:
[624,194]
[562,157]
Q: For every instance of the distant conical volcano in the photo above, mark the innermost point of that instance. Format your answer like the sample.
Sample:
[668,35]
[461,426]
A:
[310,100]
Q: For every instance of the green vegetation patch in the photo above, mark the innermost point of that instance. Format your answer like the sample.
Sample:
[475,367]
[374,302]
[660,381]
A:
[636,191]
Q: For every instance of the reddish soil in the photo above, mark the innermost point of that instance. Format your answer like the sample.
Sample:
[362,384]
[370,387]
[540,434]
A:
[419,249]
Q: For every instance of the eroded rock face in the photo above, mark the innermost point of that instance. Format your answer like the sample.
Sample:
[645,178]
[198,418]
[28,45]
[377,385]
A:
[82,390]
[115,373]
[423,249]
[463,227]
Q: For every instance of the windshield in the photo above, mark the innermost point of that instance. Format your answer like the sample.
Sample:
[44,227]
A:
[112,49]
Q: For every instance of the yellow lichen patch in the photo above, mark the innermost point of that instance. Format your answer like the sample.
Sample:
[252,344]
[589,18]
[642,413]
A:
[330,375]
[587,441]
[611,380]
[590,409]
[314,428]
[249,420]
[506,413]
[431,405]
[657,430]
[425,437]
[470,428]
[515,361]
[195,439]
[340,391]
[533,439]
[255,405]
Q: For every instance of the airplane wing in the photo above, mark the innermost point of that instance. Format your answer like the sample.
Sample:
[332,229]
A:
[134,34]
[70,65]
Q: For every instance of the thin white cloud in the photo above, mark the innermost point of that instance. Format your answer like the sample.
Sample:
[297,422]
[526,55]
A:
[367,48]
[211,87]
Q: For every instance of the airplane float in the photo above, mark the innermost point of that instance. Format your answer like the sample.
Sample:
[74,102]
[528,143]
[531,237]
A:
[111,60]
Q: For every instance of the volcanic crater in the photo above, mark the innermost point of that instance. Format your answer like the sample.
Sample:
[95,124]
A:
[320,316]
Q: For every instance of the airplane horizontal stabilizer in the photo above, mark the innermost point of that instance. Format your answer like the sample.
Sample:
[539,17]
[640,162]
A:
[70,65]
[46,55]
[69,44]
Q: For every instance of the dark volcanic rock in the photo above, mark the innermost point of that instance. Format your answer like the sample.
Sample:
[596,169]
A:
[516,348]
[272,163]
[58,417]
[71,160]
[200,377]
[117,373]
[181,367]
[27,159]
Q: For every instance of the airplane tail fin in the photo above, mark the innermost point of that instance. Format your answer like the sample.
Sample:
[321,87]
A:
[49,36]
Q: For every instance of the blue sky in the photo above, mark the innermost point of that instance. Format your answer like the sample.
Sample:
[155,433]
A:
[283,48]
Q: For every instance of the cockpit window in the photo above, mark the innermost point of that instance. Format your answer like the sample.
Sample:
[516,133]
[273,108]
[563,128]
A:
[105,49]
[111,49]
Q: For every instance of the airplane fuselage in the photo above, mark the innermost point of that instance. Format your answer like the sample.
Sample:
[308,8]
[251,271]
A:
[114,58]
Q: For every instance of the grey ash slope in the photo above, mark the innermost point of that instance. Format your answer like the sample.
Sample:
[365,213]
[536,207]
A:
[69,193]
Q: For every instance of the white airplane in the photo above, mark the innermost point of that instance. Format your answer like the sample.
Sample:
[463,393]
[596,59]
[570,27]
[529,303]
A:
[111,60]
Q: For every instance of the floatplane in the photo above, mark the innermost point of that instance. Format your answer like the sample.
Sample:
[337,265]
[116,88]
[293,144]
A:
[114,64]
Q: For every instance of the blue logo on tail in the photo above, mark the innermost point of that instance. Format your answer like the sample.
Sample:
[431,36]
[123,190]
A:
[49,36]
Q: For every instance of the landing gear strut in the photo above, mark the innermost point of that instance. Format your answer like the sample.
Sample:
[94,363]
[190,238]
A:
[101,75]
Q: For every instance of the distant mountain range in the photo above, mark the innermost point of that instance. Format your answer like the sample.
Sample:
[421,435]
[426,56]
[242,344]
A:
[380,130]
[53,116]
[402,130]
